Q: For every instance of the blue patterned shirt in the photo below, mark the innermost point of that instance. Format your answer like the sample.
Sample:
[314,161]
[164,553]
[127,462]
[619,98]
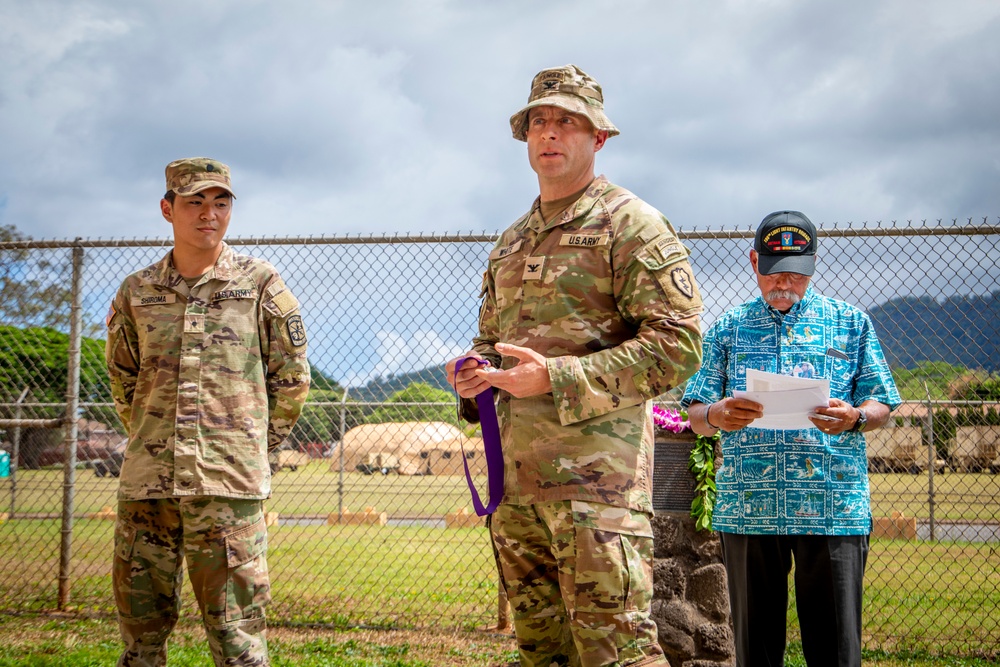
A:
[801,482]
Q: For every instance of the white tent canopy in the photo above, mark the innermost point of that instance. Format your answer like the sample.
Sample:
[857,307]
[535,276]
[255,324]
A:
[411,448]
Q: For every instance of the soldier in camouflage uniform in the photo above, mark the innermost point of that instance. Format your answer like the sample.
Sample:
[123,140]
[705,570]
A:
[207,358]
[590,309]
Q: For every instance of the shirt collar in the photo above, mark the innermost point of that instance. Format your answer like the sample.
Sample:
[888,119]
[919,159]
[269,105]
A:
[164,273]
[582,207]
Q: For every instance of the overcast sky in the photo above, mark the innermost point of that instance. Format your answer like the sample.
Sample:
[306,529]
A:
[388,116]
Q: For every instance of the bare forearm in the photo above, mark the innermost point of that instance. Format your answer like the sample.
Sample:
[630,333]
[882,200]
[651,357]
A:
[699,414]
[878,414]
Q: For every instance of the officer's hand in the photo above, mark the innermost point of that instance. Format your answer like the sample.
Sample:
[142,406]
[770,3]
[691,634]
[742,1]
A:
[732,414]
[843,412]
[465,381]
[529,378]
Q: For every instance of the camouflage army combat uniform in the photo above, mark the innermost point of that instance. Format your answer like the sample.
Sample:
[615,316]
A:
[606,293]
[206,379]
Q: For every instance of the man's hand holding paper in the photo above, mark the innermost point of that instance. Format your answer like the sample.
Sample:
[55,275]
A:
[787,402]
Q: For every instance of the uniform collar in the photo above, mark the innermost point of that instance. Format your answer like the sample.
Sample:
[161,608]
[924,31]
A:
[582,207]
[163,272]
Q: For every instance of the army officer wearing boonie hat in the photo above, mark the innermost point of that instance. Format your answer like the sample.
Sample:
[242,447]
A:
[206,354]
[590,309]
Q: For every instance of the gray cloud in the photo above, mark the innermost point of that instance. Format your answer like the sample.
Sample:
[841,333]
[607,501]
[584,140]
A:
[392,116]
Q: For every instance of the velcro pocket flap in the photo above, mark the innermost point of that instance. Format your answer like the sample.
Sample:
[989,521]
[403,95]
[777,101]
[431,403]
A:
[125,541]
[245,544]
[619,520]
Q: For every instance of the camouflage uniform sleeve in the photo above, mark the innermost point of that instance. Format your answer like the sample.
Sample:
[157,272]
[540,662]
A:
[655,291]
[283,348]
[121,353]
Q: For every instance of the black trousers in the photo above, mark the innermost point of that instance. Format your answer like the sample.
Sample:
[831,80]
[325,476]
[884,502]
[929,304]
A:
[829,573]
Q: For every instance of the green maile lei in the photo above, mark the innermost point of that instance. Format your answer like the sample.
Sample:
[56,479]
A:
[701,463]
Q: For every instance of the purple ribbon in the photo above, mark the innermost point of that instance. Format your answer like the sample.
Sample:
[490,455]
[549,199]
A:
[491,442]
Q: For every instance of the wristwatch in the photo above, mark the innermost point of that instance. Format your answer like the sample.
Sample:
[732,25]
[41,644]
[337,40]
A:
[859,426]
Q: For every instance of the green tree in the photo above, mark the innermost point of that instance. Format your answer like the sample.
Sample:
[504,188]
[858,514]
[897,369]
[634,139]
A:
[938,376]
[36,359]
[944,432]
[442,406]
[320,421]
[976,386]
[34,290]
[321,381]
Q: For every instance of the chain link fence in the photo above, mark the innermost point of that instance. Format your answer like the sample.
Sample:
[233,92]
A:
[371,517]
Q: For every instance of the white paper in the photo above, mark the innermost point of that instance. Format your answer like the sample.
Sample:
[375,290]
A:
[762,381]
[787,400]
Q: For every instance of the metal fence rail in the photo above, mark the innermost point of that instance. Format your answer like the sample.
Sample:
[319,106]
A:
[369,513]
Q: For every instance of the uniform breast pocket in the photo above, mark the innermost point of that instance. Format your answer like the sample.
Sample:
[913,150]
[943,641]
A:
[234,322]
[574,281]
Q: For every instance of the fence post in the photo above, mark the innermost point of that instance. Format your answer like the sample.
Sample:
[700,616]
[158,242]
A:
[340,449]
[72,407]
[932,456]
[15,453]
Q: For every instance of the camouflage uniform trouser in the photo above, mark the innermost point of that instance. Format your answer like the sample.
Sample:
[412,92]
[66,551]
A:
[579,577]
[224,541]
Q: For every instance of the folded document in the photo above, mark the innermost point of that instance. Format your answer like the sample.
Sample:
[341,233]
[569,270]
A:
[787,400]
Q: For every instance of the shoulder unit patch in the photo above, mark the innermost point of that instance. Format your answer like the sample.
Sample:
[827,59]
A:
[296,330]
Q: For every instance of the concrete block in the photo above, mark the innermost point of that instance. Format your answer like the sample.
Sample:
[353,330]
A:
[463,519]
[107,512]
[370,517]
[895,527]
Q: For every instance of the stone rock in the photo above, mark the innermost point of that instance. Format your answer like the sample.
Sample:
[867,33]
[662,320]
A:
[668,531]
[707,590]
[708,548]
[680,614]
[676,643]
[668,579]
[715,639]
[690,599]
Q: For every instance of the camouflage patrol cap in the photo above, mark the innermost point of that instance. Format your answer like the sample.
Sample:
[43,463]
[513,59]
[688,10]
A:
[568,88]
[191,175]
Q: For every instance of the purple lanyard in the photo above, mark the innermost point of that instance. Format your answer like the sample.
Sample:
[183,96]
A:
[491,442]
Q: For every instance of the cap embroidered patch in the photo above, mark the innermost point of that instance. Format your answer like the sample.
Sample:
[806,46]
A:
[786,239]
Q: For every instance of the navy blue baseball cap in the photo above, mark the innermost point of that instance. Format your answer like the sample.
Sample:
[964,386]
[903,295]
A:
[786,243]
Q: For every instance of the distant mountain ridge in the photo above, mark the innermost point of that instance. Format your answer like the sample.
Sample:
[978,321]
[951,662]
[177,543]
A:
[961,330]
[382,388]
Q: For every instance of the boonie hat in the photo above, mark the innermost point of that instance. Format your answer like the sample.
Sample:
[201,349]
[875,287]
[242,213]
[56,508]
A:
[568,88]
[191,175]
[786,243]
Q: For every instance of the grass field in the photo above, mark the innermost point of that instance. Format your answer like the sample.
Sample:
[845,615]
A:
[317,490]
[45,641]
[942,598]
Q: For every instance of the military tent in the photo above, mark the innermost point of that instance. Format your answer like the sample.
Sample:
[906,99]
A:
[409,448]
